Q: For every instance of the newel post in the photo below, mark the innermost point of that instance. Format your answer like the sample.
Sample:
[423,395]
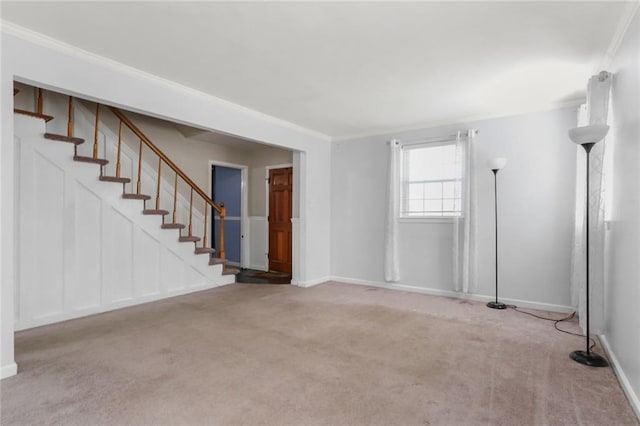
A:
[223,213]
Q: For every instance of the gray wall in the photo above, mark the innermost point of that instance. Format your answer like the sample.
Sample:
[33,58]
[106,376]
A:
[536,192]
[260,159]
[623,239]
[193,157]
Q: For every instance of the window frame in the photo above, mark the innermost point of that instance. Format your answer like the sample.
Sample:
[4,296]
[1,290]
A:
[404,185]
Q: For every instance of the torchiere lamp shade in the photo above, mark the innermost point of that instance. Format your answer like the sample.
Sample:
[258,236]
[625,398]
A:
[496,163]
[588,134]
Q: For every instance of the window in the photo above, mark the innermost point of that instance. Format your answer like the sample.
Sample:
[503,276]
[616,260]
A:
[431,181]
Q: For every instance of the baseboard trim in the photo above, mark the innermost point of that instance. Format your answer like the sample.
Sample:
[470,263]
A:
[8,370]
[448,293]
[117,304]
[632,397]
[311,283]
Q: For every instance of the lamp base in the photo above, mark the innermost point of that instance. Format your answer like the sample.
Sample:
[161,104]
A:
[589,358]
[497,305]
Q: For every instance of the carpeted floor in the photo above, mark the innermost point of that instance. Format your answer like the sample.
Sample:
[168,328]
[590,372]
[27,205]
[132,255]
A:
[333,354]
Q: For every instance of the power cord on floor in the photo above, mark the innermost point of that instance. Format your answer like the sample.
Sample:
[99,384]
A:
[555,323]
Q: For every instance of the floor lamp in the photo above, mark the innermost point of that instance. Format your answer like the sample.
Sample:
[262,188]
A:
[496,164]
[587,137]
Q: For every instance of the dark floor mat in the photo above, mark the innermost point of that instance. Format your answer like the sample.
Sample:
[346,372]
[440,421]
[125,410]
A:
[252,276]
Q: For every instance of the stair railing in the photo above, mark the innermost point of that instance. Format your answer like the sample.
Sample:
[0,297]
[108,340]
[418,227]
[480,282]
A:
[39,106]
[162,158]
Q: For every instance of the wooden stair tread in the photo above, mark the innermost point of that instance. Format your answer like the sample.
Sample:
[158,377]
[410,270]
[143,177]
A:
[203,250]
[188,239]
[114,179]
[82,159]
[129,196]
[217,261]
[230,271]
[155,211]
[173,226]
[45,117]
[62,138]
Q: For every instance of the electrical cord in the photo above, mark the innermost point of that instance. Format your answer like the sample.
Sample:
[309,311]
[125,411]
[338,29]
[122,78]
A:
[555,323]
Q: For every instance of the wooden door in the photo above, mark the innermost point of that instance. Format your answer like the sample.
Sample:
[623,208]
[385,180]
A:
[280,191]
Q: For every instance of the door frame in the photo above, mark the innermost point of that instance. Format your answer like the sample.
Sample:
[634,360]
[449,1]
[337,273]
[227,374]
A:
[245,241]
[266,211]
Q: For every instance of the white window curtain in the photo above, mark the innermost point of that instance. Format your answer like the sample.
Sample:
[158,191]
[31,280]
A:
[391,261]
[594,112]
[465,226]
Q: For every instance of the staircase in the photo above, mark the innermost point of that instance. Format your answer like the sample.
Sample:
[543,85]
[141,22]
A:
[165,213]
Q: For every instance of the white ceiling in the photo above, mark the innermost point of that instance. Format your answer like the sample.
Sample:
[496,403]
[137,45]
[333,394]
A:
[356,68]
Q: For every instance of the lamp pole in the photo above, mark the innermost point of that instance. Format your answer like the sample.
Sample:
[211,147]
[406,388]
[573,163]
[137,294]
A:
[495,165]
[587,357]
[587,137]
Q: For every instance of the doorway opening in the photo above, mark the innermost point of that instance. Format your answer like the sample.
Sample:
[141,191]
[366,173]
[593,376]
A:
[228,187]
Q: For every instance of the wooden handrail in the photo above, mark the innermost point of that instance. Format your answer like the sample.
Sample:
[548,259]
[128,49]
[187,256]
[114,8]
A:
[220,209]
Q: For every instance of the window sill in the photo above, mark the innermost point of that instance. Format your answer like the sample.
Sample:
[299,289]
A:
[442,219]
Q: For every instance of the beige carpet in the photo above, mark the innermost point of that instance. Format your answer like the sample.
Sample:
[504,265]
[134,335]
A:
[334,354]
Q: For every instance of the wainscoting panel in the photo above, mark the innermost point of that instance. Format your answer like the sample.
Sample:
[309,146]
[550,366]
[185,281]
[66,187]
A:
[147,264]
[47,282]
[82,249]
[118,257]
[86,224]
[194,279]
[172,271]
[258,229]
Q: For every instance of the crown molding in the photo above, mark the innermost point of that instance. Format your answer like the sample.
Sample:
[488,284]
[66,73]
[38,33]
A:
[460,120]
[618,36]
[43,40]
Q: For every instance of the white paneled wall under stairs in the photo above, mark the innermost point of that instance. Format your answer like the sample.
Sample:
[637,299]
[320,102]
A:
[82,248]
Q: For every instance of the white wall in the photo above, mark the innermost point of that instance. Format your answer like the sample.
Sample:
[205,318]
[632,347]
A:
[8,366]
[44,62]
[536,202]
[623,238]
